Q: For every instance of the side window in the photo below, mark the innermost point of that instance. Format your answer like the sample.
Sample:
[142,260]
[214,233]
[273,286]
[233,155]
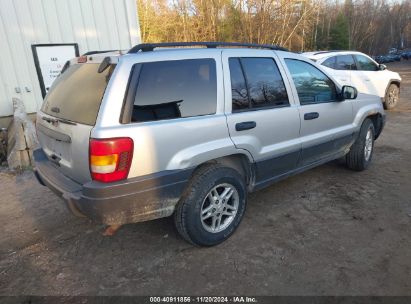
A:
[239,90]
[365,64]
[173,89]
[345,62]
[256,83]
[329,63]
[312,85]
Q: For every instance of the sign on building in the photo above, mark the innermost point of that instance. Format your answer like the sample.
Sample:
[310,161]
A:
[50,59]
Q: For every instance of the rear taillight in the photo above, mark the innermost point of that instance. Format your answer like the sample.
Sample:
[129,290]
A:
[82,59]
[110,158]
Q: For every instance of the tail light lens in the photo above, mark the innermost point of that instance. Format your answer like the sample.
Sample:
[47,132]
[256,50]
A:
[82,59]
[110,159]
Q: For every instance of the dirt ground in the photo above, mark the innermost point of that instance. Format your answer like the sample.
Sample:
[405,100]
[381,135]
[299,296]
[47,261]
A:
[328,231]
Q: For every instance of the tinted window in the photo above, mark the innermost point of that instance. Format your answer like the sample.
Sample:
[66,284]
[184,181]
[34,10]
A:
[76,94]
[330,62]
[173,89]
[265,85]
[312,85]
[365,64]
[260,86]
[345,62]
[239,91]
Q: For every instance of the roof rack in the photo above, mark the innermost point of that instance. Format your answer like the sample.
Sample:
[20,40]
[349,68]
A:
[148,47]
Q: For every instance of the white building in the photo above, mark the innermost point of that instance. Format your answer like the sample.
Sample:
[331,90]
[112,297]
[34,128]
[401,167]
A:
[91,24]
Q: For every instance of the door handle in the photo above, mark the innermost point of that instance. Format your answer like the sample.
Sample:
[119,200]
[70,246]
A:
[312,115]
[246,125]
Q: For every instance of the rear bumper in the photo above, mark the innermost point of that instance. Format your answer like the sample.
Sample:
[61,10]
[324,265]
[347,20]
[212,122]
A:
[133,200]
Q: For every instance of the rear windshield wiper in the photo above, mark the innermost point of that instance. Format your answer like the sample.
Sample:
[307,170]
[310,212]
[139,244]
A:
[62,120]
[69,122]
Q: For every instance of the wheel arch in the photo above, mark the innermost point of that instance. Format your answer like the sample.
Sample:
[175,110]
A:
[238,161]
[397,82]
[373,110]
[378,121]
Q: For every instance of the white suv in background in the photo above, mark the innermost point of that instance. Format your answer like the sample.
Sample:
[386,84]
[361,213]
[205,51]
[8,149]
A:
[359,70]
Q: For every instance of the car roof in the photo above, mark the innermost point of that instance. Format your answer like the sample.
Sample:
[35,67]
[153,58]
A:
[169,52]
[192,47]
[325,54]
[150,47]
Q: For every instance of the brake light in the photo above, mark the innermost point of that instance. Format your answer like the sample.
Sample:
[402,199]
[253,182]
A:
[82,59]
[110,158]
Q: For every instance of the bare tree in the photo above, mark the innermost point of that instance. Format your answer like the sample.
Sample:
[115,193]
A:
[373,25]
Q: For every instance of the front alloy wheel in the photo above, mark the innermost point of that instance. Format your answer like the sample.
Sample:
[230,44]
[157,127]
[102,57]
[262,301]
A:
[368,146]
[360,155]
[392,96]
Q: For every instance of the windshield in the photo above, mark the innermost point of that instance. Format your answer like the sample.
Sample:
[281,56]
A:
[76,94]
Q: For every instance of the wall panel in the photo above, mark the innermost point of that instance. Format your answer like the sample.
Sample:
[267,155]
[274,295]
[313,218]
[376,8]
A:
[93,24]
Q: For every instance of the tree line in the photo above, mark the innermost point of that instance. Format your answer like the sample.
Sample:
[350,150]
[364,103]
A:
[370,26]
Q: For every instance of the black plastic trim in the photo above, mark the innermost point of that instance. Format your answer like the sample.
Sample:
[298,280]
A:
[268,169]
[127,108]
[246,125]
[267,182]
[132,200]
[311,115]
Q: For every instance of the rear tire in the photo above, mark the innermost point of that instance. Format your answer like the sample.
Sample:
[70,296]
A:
[361,151]
[391,96]
[212,206]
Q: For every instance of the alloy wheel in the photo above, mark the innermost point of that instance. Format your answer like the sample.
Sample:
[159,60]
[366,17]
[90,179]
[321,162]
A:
[219,208]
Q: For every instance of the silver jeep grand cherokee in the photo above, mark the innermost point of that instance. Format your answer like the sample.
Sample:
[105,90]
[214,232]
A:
[190,131]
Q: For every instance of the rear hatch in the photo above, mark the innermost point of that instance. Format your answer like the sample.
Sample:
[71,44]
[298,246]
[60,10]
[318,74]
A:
[68,115]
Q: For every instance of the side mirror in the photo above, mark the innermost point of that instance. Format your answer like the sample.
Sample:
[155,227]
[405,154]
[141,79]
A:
[348,92]
[382,67]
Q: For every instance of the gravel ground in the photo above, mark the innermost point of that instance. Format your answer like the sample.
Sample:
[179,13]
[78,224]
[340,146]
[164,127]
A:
[328,231]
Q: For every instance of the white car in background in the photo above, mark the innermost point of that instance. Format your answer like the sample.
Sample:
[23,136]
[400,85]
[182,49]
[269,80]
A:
[359,70]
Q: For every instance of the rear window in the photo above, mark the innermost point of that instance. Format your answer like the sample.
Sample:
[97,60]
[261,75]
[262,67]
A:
[76,94]
[174,89]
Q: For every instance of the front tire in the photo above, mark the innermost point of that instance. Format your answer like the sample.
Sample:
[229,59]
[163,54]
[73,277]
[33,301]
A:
[212,206]
[392,97]
[361,152]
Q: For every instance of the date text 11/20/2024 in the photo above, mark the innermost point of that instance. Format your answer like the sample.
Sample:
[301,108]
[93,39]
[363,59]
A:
[234,299]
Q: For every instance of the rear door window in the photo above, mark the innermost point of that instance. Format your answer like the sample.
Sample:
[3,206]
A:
[239,91]
[256,83]
[174,89]
[77,93]
[345,62]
